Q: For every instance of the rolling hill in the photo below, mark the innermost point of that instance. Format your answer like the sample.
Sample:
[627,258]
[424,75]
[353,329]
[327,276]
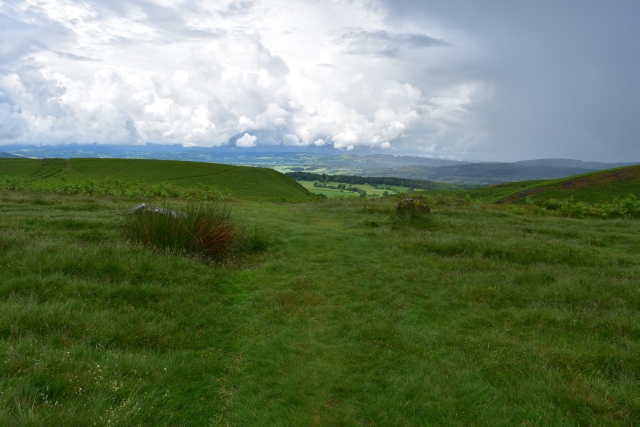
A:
[593,187]
[240,181]
[4,155]
[489,173]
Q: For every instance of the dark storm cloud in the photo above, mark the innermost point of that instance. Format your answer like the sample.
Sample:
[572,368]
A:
[383,43]
[562,77]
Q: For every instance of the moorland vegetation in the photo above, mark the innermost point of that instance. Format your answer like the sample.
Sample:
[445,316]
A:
[351,312]
[148,178]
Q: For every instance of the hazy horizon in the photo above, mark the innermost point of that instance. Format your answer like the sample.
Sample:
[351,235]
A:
[118,150]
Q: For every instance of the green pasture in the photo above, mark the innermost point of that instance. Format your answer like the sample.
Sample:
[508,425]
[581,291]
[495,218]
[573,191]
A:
[148,178]
[335,192]
[477,315]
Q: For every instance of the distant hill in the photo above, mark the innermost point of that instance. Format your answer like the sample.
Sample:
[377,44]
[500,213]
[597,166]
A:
[491,173]
[241,181]
[332,163]
[4,155]
[568,163]
[594,187]
[478,173]
[354,161]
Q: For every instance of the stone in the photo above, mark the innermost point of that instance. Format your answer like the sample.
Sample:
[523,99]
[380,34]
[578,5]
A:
[145,207]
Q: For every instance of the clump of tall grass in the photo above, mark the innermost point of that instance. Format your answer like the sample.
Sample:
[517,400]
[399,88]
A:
[205,229]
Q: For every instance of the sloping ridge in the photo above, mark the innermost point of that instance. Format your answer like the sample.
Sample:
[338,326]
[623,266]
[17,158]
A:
[243,182]
[592,187]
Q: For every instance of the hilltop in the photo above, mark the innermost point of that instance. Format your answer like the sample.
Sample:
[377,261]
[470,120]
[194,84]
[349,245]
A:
[238,181]
[593,187]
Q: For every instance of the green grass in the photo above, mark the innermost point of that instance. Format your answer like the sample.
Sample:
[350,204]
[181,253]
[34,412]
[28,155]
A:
[593,187]
[155,178]
[334,192]
[495,193]
[475,317]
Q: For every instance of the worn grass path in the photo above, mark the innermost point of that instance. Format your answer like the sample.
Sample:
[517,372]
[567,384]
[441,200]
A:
[477,317]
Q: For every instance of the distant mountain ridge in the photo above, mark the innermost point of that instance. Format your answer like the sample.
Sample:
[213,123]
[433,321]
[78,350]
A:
[4,155]
[494,173]
[569,163]
[371,165]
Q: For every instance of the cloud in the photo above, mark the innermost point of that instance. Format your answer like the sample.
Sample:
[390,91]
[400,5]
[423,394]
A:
[23,34]
[246,141]
[130,125]
[458,80]
[291,140]
[385,44]
[75,57]
[12,124]
[170,74]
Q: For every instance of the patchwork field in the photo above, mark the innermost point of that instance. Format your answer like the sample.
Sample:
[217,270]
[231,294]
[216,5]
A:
[332,190]
[476,315]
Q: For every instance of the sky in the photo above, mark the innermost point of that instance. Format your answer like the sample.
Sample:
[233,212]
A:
[461,79]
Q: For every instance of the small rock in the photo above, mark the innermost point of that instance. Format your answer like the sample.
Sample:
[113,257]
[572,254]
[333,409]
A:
[145,207]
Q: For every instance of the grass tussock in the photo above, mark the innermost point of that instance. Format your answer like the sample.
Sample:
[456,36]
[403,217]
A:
[204,229]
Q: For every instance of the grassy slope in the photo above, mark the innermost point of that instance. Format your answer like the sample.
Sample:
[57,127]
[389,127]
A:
[483,318]
[600,186]
[242,182]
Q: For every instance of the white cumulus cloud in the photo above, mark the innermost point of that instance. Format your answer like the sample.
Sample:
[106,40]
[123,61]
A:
[211,72]
[246,141]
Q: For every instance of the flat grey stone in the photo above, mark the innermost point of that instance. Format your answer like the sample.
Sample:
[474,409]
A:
[145,207]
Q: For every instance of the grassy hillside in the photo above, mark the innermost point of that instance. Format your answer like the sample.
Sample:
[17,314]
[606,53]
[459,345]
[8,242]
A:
[239,181]
[594,187]
[476,317]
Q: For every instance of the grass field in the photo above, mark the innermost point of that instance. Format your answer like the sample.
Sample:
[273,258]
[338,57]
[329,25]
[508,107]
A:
[473,317]
[149,178]
[594,187]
